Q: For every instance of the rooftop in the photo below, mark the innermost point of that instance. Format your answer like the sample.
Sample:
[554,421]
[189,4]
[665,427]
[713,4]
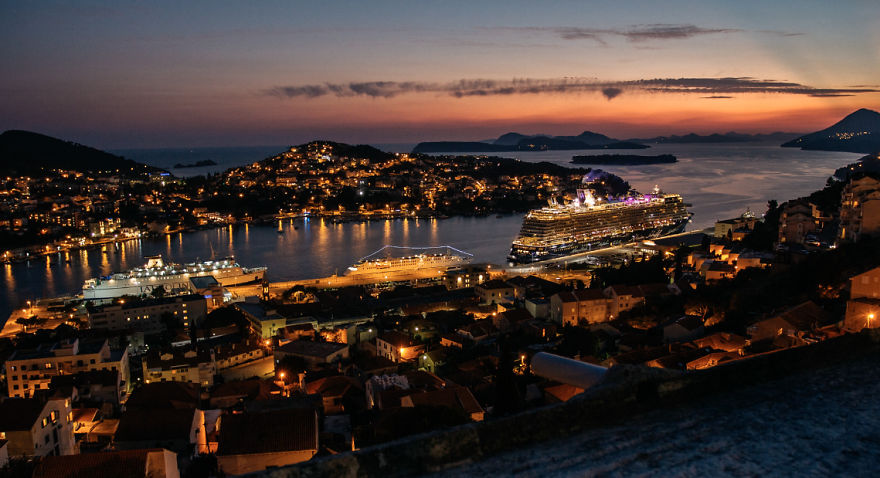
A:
[110,464]
[309,348]
[267,432]
[155,424]
[164,395]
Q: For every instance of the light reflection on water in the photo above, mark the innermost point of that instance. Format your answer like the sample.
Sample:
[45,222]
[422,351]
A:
[720,181]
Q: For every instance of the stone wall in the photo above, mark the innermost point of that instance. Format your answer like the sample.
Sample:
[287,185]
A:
[625,391]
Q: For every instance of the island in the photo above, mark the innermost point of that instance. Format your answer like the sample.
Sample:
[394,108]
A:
[197,164]
[624,159]
[509,142]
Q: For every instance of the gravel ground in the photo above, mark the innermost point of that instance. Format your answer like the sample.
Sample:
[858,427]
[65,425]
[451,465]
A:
[818,423]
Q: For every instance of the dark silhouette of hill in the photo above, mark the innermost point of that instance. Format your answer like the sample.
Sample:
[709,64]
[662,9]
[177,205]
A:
[858,132]
[25,153]
[352,151]
[509,139]
[731,137]
[520,142]
[587,140]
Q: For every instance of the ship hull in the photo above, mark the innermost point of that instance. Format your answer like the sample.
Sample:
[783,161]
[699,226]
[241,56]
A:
[112,288]
[372,272]
[529,254]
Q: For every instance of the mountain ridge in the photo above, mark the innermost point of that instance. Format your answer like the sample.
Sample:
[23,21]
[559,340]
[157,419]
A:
[857,132]
[513,141]
[26,152]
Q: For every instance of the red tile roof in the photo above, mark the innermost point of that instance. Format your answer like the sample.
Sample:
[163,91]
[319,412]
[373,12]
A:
[335,386]
[159,424]
[164,395]
[450,397]
[252,389]
[308,348]
[112,464]
[268,432]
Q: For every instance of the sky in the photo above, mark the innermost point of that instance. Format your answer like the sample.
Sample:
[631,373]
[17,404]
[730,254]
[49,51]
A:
[187,74]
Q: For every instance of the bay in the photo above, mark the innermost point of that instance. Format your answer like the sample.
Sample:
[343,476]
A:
[718,180]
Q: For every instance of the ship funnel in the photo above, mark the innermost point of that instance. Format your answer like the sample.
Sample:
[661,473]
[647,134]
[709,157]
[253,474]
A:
[585,197]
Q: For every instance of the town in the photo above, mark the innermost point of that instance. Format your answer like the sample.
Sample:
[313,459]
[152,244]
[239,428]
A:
[56,210]
[205,379]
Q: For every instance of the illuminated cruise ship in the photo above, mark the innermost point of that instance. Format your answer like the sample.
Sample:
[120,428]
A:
[588,223]
[449,257]
[173,277]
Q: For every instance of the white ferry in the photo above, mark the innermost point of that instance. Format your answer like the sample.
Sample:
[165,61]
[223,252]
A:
[449,258]
[174,278]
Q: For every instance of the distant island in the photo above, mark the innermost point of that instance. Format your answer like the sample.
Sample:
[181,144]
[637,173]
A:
[588,140]
[731,137]
[858,132]
[197,164]
[520,142]
[624,159]
[24,153]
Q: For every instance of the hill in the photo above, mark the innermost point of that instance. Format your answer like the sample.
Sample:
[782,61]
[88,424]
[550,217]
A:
[731,137]
[521,142]
[858,132]
[26,153]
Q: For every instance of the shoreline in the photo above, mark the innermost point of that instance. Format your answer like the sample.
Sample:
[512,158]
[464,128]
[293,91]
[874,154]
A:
[26,253]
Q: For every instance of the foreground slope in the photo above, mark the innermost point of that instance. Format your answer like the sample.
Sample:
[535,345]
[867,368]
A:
[814,423]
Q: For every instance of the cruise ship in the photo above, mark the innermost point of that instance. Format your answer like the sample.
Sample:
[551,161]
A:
[446,258]
[173,277]
[588,223]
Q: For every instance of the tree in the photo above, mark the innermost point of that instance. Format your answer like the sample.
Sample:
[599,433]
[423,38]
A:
[31,321]
[158,292]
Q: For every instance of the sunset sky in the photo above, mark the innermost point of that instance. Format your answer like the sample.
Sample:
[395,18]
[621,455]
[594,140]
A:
[159,74]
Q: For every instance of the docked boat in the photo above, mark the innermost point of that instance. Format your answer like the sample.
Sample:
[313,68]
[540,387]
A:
[175,278]
[588,223]
[383,263]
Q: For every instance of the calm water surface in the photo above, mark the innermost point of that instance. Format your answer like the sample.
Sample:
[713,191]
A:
[719,180]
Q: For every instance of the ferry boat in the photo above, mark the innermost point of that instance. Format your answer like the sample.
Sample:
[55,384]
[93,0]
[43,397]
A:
[588,223]
[445,258]
[173,277]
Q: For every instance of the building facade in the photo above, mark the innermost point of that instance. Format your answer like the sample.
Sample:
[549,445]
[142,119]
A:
[36,428]
[860,209]
[30,370]
[147,315]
